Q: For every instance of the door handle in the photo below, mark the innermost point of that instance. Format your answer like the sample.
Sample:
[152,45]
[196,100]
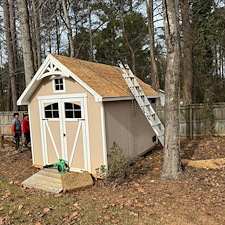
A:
[45,119]
[64,135]
[80,119]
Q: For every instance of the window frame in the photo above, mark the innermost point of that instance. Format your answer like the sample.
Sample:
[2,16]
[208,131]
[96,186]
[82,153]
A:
[52,110]
[54,85]
[73,119]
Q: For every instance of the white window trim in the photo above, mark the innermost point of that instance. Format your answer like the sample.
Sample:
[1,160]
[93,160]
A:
[51,97]
[75,119]
[53,85]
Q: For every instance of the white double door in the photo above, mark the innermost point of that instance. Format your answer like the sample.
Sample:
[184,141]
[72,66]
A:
[65,132]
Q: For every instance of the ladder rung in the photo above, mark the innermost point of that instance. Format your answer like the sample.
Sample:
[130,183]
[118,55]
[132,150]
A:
[143,101]
[157,124]
[151,115]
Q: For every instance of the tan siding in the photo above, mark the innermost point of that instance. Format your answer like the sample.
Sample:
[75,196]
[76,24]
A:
[131,132]
[95,131]
[94,118]
[36,133]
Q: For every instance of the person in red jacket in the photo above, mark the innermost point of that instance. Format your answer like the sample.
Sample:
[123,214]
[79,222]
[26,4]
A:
[26,130]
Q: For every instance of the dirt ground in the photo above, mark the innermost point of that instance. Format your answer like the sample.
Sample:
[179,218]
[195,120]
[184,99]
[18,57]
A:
[141,199]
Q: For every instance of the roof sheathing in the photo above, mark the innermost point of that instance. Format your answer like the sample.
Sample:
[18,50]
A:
[106,80]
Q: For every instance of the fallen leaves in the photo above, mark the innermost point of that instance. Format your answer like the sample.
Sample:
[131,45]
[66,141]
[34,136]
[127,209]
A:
[6,195]
[138,199]
[46,210]
[74,215]
[141,190]
[107,218]
[38,223]
[134,214]
[20,206]
[136,185]
[5,220]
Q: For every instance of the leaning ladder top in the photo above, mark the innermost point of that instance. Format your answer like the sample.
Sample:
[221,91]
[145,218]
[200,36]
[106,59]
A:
[143,102]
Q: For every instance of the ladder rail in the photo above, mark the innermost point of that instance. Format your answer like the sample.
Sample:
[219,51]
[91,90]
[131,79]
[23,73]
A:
[143,102]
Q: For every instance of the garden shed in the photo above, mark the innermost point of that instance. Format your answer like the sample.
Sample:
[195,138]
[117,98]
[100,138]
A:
[78,109]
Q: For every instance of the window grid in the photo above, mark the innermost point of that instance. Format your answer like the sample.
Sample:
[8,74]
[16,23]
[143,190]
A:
[72,111]
[52,111]
[59,85]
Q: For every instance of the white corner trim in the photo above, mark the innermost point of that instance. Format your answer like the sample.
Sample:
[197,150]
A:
[31,136]
[87,143]
[104,147]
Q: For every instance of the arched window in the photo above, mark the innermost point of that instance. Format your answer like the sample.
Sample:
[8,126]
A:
[72,110]
[52,111]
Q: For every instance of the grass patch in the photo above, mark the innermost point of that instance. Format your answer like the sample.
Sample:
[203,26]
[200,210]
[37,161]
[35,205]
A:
[30,207]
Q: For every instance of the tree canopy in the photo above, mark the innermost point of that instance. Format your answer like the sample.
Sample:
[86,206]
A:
[105,31]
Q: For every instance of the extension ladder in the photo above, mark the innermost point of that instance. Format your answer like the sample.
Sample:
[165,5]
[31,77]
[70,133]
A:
[143,101]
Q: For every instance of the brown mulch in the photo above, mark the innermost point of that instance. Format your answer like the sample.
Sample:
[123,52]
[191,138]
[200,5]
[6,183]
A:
[197,199]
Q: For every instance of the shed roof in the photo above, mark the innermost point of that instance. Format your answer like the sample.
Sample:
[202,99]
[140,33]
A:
[106,80]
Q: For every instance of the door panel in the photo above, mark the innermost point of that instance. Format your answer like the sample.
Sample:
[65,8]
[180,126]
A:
[75,147]
[74,127]
[63,123]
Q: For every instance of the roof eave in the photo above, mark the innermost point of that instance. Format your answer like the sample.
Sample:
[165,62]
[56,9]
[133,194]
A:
[111,99]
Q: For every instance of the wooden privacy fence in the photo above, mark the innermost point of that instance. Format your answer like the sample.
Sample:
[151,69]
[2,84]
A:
[6,121]
[192,119]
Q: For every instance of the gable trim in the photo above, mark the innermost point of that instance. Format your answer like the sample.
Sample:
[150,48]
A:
[55,67]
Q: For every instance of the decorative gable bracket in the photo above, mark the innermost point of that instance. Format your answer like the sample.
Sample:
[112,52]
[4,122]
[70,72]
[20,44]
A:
[51,69]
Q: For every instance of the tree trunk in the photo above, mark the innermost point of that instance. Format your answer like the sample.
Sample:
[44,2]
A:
[9,44]
[26,40]
[133,58]
[171,154]
[9,102]
[69,29]
[13,31]
[130,3]
[154,69]
[187,67]
[57,35]
[90,33]
[37,35]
